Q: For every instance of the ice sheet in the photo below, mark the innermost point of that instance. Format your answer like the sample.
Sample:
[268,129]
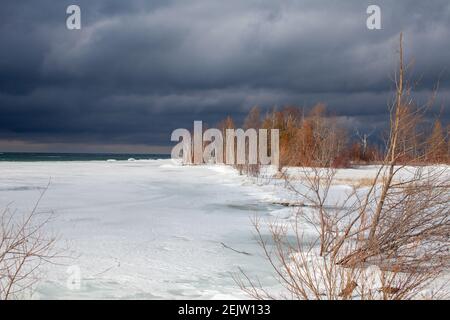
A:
[142,229]
[155,229]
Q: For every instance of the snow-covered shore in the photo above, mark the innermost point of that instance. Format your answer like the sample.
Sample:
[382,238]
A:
[154,229]
[142,229]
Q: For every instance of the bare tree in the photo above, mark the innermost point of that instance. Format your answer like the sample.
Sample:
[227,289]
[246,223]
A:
[398,224]
[364,143]
[437,146]
[24,248]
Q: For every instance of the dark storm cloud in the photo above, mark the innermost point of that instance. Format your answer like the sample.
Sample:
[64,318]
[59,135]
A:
[139,69]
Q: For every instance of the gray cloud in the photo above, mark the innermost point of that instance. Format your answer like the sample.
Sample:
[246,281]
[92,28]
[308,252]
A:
[139,69]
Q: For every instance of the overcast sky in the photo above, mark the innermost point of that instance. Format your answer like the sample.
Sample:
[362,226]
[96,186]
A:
[139,69]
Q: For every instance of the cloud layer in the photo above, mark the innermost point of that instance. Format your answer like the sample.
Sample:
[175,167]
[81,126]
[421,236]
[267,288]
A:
[139,69]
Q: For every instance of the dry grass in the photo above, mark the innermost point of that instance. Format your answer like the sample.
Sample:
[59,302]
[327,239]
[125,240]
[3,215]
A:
[355,183]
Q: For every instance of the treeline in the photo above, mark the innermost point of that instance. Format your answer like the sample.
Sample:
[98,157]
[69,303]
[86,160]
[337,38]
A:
[316,137]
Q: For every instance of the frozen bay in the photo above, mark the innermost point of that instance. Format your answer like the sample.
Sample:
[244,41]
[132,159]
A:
[142,229]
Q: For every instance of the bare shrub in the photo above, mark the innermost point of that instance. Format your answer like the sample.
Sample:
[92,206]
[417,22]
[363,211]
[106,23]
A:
[24,247]
[305,274]
[386,240]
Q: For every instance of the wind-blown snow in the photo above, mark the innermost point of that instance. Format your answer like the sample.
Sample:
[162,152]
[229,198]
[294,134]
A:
[154,229]
[142,229]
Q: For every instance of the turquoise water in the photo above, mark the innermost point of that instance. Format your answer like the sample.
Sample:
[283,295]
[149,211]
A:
[30,157]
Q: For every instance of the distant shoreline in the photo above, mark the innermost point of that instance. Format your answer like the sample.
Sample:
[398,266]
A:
[39,157]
